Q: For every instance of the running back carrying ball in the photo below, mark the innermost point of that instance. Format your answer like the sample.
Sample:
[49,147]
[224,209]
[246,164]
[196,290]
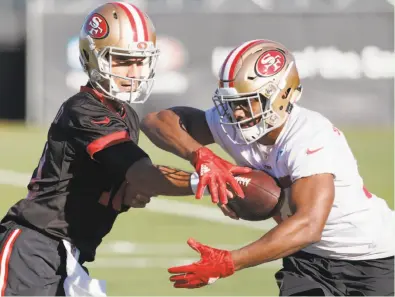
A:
[263,197]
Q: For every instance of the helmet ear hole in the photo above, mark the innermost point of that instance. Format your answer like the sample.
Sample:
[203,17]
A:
[86,55]
[263,99]
[286,93]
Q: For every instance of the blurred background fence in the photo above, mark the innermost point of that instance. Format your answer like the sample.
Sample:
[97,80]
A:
[344,51]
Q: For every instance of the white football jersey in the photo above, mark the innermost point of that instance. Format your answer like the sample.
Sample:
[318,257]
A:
[360,225]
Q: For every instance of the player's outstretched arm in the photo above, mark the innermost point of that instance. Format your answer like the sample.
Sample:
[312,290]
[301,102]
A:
[312,199]
[180,130]
[152,180]
[184,131]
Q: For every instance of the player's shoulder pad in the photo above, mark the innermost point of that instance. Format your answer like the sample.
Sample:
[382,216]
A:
[131,113]
[84,104]
[84,100]
[81,109]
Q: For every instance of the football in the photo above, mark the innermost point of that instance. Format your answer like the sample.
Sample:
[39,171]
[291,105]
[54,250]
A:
[263,197]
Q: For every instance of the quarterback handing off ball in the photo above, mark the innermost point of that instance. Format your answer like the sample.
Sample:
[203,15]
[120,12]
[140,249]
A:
[263,197]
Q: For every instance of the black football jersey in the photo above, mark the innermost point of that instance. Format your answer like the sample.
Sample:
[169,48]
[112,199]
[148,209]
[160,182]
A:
[71,194]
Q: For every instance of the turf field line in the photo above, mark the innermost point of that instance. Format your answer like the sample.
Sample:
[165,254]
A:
[160,205]
[123,247]
[203,212]
[127,254]
[13,178]
[157,262]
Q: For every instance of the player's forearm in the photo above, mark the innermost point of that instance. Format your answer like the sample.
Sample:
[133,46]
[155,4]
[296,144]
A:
[172,181]
[285,239]
[154,180]
[165,131]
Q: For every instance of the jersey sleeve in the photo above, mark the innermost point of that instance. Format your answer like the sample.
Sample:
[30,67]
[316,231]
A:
[92,127]
[315,155]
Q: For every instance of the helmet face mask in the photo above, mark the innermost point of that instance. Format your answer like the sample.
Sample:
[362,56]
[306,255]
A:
[260,119]
[130,39]
[141,85]
[263,83]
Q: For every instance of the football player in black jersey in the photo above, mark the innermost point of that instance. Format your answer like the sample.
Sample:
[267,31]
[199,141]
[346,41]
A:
[91,168]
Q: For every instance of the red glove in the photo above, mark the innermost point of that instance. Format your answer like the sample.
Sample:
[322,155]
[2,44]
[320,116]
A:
[216,173]
[214,264]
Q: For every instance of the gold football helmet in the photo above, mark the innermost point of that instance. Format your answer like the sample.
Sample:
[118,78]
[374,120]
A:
[118,29]
[258,70]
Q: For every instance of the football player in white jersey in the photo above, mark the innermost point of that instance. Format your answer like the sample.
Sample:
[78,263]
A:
[335,237]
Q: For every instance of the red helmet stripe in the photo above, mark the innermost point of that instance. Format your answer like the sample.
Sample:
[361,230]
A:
[221,76]
[137,21]
[229,66]
[143,21]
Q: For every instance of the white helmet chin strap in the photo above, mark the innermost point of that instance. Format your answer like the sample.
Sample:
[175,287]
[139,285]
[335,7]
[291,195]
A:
[140,95]
[143,89]
[122,96]
[250,134]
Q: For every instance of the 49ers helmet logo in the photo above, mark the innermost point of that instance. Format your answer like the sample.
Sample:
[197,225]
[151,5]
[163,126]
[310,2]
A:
[142,45]
[96,26]
[270,63]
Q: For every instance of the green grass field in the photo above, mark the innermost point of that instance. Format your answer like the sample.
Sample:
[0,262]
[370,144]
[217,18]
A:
[134,257]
